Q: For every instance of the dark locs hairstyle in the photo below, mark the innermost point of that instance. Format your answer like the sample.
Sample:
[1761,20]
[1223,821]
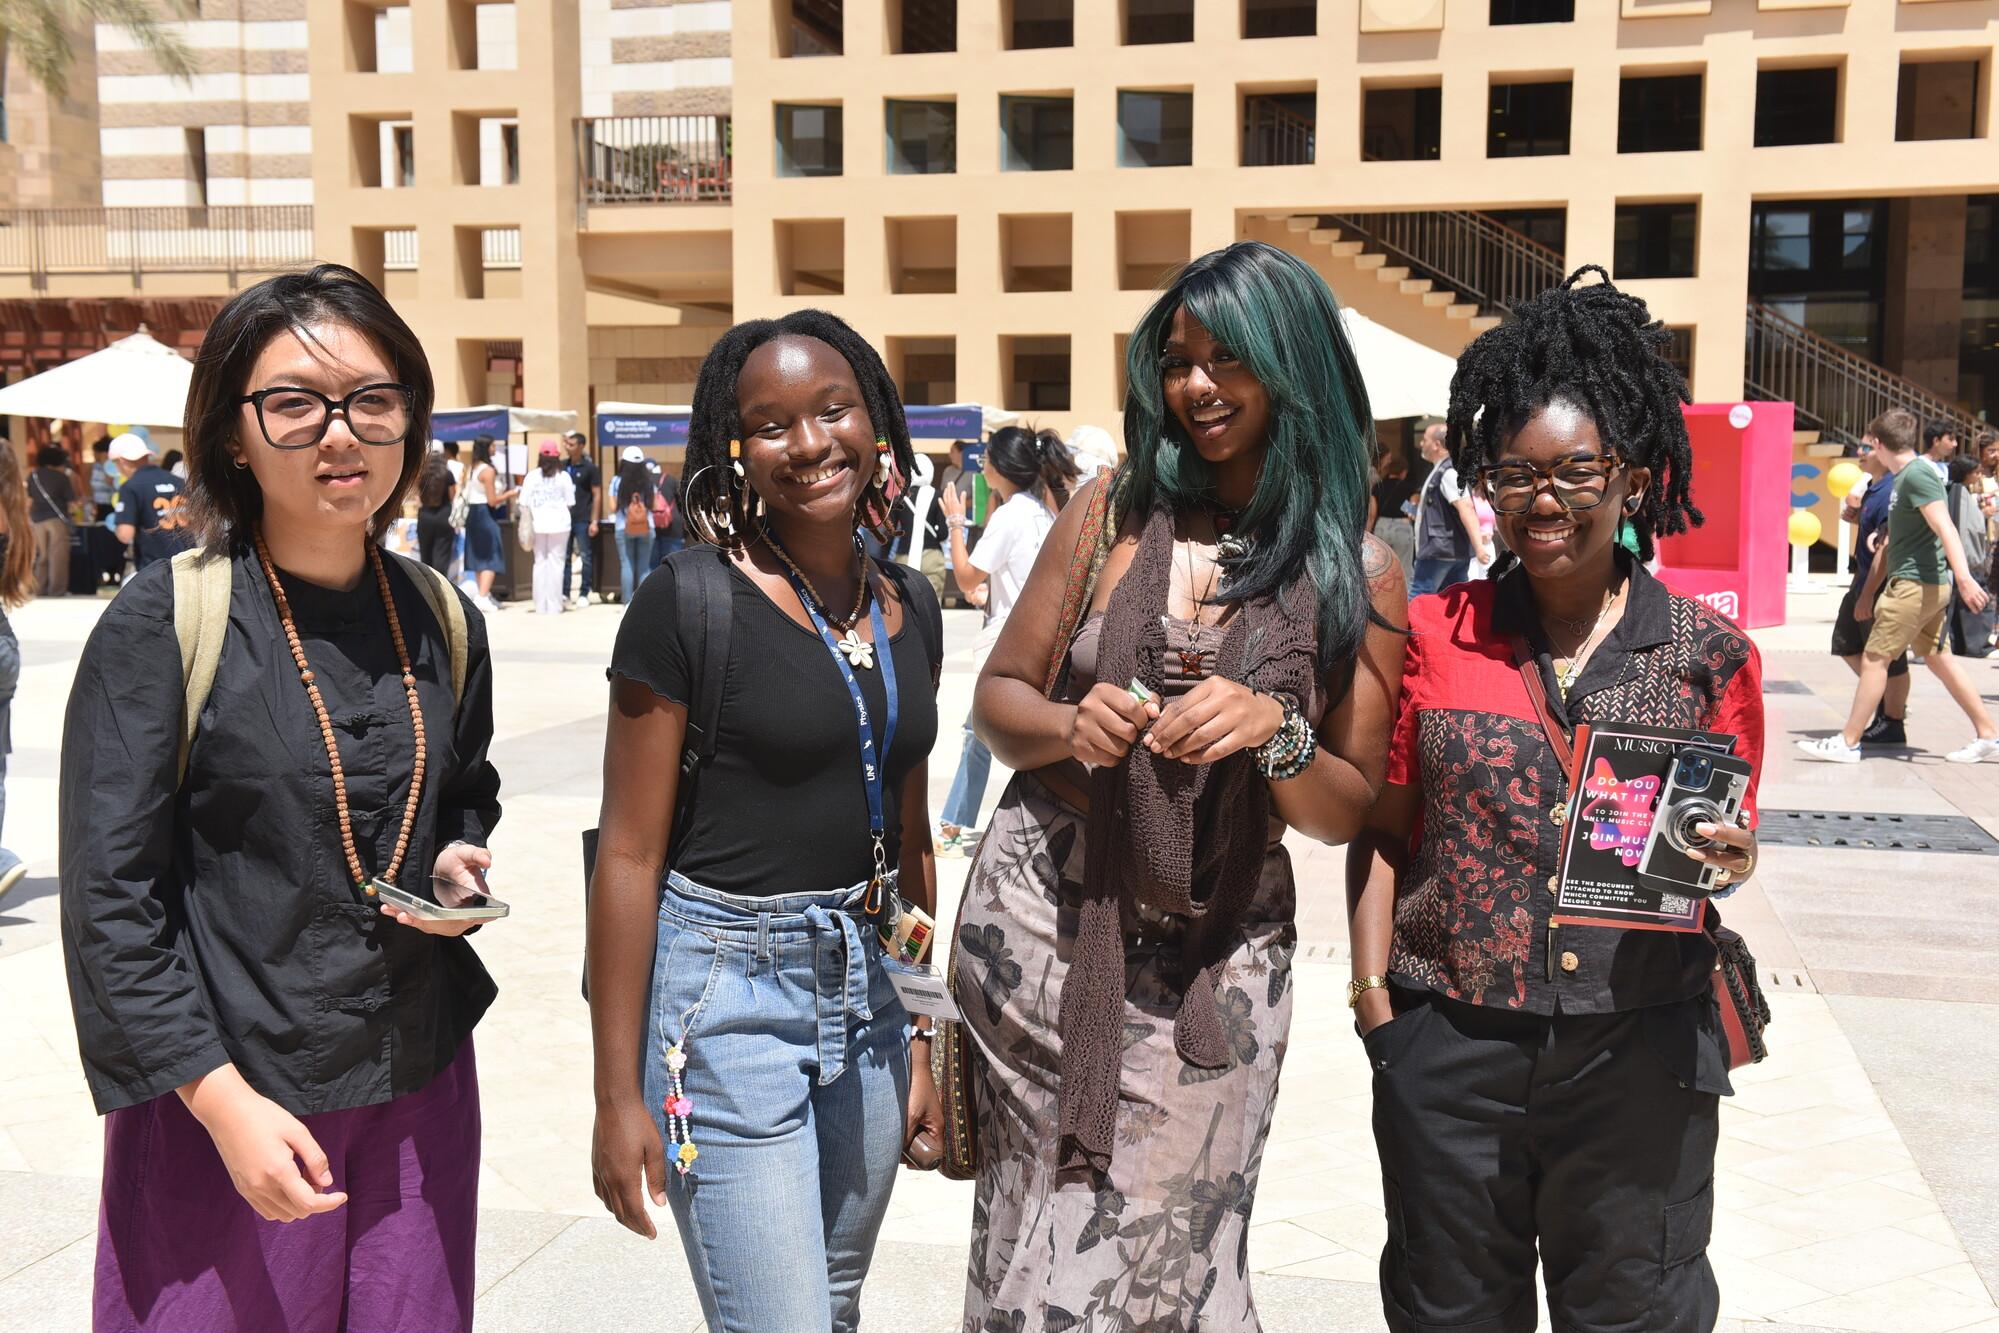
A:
[720,506]
[223,498]
[1307,517]
[1035,461]
[1600,350]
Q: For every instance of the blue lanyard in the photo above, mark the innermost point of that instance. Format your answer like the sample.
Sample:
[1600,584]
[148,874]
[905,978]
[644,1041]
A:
[874,762]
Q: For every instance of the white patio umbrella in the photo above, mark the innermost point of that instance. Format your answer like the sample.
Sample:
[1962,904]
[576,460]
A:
[1403,377]
[137,380]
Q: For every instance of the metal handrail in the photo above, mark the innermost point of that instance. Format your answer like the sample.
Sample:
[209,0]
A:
[1275,137]
[1468,253]
[654,159]
[1836,391]
[231,239]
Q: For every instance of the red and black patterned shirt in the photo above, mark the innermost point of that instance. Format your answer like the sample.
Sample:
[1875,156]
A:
[1471,916]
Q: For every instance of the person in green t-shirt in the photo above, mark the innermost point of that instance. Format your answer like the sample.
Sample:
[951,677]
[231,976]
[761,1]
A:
[1913,575]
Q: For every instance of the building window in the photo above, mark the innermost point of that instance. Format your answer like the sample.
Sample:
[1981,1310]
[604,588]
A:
[809,27]
[1796,106]
[402,154]
[1822,264]
[808,140]
[1937,100]
[1547,227]
[1978,346]
[924,369]
[1280,129]
[1504,12]
[1155,129]
[1529,119]
[1150,246]
[1656,240]
[1280,18]
[811,257]
[1402,124]
[380,38]
[1154,22]
[922,255]
[922,138]
[1037,252]
[1038,24]
[921,27]
[1037,133]
[1659,114]
[510,152]
[197,165]
[1037,373]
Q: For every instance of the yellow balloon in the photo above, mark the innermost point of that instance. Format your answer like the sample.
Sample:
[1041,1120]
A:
[1804,527]
[1842,479]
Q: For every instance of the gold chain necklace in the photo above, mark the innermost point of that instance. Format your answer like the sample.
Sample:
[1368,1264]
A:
[311,683]
[1566,675]
[860,592]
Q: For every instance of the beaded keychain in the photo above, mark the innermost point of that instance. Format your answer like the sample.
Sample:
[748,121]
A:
[679,1112]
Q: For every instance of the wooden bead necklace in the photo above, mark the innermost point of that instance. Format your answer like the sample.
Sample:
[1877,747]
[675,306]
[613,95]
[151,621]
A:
[310,681]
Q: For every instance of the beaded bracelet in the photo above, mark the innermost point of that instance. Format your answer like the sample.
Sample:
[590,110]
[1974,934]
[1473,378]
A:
[1291,751]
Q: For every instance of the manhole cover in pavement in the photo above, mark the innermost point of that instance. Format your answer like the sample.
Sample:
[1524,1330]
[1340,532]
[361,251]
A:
[1874,832]
[1786,687]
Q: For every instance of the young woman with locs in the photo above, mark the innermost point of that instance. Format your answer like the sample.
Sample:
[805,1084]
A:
[753,1064]
[1545,1091]
[284,1061]
[1030,475]
[1123,957]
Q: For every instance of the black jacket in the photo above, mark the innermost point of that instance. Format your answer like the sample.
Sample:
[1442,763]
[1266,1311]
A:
[218,921]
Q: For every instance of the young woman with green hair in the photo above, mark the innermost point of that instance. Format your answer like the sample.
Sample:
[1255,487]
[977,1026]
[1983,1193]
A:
[1206,653]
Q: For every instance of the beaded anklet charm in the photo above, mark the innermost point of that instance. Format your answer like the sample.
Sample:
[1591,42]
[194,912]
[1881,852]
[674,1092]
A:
[679,1112]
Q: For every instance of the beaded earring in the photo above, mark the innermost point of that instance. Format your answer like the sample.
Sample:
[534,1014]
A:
[736,458]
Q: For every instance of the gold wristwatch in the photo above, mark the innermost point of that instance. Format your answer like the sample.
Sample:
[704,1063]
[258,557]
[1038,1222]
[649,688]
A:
[1360,987]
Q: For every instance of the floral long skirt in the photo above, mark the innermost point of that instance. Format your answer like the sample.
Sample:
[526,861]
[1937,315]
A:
[1162,1242]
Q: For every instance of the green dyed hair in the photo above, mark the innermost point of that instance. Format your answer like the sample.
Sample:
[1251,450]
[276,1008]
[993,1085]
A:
[1309,514]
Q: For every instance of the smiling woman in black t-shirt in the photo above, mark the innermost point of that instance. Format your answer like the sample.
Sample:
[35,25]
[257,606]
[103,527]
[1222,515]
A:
[741,1011]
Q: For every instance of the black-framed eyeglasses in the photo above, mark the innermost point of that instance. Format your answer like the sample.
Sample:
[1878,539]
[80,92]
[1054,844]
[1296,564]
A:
[292,417]
[1579,482]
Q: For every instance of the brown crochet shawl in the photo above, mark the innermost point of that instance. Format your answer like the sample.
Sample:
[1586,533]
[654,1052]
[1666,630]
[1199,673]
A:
[1175,837]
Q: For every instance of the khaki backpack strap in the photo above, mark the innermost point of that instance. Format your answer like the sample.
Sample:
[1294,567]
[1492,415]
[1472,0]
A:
[201,621]
[450,614]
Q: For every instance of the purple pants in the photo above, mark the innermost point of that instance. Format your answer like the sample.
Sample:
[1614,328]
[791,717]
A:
[178,1249]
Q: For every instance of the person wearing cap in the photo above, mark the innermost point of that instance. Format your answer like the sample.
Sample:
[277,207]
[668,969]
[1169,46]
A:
[632,492]
[582,516]
[148,510]
[549,497]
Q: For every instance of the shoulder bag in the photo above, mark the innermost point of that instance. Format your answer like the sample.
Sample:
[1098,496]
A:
[1744,1010]
[954,1055]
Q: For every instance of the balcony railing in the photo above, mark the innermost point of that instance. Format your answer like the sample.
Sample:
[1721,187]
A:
[1273,136]
[232,239]
[1837,392]
[653,159]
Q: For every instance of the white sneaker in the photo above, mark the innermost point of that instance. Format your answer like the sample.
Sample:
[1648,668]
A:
[1830,750]
[1975,753]
[13,875]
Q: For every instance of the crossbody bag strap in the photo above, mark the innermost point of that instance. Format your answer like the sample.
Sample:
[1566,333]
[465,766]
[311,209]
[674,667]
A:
[1537,694]
[1084,565]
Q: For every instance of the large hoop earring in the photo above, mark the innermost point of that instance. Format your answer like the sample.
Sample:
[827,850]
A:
[727,517]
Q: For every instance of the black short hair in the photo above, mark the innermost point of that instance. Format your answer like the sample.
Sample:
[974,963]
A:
[450,448]
[224,498]
[715,419]
[52,455]
[1935,430]
[101,445]
[1600,349]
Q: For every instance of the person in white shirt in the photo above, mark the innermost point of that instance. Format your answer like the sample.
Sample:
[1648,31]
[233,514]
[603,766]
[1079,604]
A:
[547,496]
[1030,476]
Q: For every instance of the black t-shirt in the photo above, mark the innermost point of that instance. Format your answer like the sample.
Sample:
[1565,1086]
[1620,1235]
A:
[1390,493]
[587,479]
[50,494]
[151,501]
[781,808]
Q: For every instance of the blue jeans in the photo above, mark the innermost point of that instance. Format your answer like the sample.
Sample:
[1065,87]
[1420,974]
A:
[579,535]
[1436,575]
[798,1071]
[634,562]
[968,789]
[10,678]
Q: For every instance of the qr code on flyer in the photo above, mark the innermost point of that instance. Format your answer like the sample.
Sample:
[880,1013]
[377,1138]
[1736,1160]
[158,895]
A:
[1673,905]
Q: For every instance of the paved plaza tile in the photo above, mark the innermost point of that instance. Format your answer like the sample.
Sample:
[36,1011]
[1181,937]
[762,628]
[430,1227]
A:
[1855,1186]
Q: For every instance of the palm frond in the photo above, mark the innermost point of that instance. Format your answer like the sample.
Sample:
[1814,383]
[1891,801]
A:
[43,34]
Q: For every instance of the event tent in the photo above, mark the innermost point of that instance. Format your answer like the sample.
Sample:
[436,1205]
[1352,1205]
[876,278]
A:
[1403,377]
[469,423]
[137,380]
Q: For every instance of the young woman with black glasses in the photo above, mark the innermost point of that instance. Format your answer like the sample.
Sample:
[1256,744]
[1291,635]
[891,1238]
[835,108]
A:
[283,1059]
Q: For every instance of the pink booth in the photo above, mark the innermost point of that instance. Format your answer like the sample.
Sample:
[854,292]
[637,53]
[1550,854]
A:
[1737,561]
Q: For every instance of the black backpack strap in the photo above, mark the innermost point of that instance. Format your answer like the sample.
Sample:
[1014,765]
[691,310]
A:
[919,601]
[704,604]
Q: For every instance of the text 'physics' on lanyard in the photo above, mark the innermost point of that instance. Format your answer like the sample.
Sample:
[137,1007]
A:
[874,762]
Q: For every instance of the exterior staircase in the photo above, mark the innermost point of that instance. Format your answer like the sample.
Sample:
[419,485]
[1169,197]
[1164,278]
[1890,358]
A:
[1445,276]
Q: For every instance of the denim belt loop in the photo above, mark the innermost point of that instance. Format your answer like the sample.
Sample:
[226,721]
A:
[763,937]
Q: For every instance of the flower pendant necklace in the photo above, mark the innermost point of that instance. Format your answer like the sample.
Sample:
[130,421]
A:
[859,653]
